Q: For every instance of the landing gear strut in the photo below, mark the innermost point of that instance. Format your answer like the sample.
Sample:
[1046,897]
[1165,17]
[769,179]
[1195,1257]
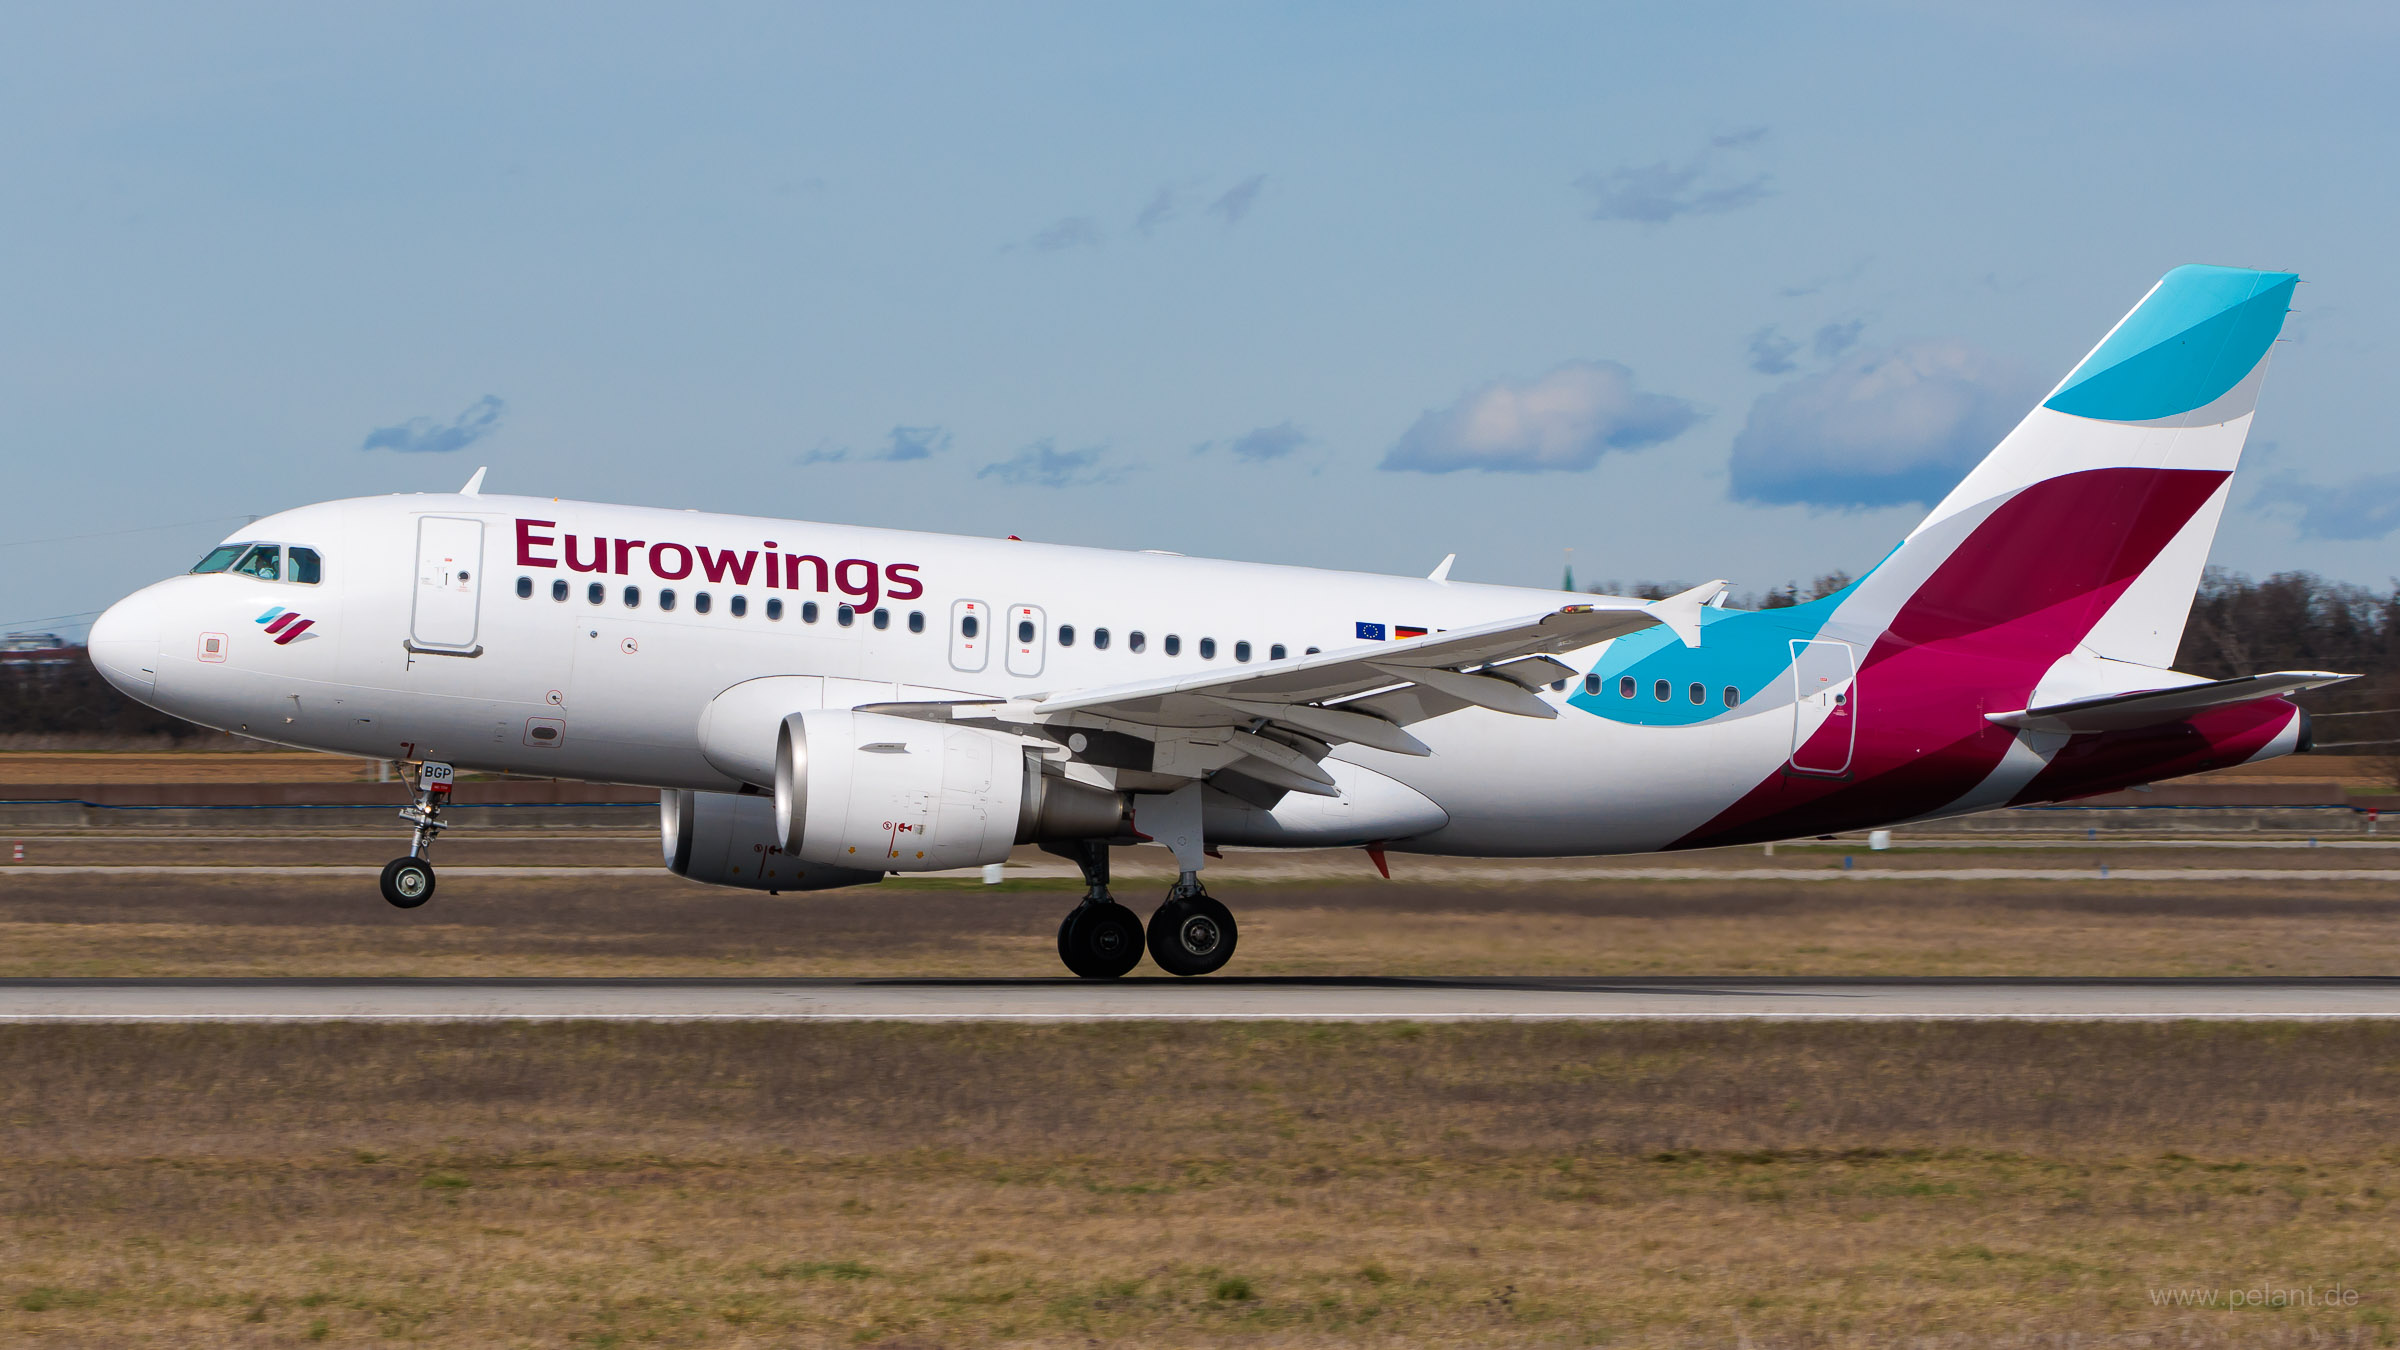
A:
[1099,939]
[408,882]
[1191,934]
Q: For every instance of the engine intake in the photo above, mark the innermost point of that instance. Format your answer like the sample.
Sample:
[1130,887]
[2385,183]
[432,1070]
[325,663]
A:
[868,790]
[727,839]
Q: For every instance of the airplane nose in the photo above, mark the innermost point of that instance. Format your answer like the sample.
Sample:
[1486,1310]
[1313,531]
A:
[124,644]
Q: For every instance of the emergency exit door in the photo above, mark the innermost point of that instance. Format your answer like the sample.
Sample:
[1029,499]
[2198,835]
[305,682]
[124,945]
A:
[449,585]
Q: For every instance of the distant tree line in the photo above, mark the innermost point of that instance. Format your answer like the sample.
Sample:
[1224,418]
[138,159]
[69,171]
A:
[66,698]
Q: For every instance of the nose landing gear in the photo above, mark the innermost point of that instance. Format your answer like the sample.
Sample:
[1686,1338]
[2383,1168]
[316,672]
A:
[408,882]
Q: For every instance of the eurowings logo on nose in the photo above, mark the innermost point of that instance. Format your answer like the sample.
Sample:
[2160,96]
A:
[285,624]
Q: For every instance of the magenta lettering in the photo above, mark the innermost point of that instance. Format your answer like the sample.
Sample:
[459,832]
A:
[599,562]
[528,541]
[791,571]
[893,577]
[868,590]
[625,548]
[659,568]
[718,563]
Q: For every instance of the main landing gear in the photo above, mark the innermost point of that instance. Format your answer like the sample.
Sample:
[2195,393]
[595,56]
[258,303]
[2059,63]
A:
[1190,934]
[408,882]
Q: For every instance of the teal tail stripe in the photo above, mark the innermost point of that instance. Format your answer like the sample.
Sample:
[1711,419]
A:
[2196,337]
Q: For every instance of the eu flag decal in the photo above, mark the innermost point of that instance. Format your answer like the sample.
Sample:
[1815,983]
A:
[1370,632]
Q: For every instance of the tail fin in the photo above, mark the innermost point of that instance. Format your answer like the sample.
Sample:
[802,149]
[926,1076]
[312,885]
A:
[2090,523]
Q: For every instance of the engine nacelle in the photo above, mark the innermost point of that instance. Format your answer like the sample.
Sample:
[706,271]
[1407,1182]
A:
[729,839]
[867,790]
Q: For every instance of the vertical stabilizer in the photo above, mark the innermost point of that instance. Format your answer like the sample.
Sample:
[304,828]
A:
[2089,524]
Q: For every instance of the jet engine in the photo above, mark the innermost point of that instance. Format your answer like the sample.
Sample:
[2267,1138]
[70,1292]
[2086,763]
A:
[729,839]
[895,794]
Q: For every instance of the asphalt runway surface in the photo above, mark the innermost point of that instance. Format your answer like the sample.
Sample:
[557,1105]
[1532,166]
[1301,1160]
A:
[1297,998]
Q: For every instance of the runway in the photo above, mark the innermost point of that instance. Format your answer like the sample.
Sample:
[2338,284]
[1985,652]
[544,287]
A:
[1299,998]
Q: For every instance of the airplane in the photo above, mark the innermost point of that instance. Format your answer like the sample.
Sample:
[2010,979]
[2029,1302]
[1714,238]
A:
[824,705]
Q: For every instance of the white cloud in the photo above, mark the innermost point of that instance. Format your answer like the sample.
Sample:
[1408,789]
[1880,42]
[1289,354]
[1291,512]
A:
[1880,429]
[1238,199]
[1565,419]
[424,436]
[2363,508]
[1043,464]
[1703,185]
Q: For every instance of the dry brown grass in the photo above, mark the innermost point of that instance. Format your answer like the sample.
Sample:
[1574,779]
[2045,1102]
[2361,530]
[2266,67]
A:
[657,925]
[1193,1184]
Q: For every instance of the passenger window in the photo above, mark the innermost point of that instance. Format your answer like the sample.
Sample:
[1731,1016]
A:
[1066,635]
[1591,684]
[808,611]
[775,609]
[969,626]
[1025,631]
[700,602]
[883,618]
[739,605]
[666,597]
[1134,641]
[305,568]
[1100,638]
[524,588]
[1241,651]
[1625,687]
[1310,652]
[1174,645]
[633,597]
[597,593]
[1208,649]
[558,589]
[916,621]
[1664,690]
[844,615]
[1275,653]
[1733,697]
[218,559]
[263,561]
[1699,692]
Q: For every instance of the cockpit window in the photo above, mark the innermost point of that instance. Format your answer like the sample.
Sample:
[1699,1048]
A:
[267,562]
[264,561]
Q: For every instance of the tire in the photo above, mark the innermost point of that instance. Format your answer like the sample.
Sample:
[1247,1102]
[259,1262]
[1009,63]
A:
[408,882]
[1192,937]
[1101,942]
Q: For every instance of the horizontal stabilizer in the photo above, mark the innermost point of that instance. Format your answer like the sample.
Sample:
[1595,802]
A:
[2150,707]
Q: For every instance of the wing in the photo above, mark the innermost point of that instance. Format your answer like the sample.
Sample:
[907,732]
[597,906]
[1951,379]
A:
[2149,707]
[1271,723]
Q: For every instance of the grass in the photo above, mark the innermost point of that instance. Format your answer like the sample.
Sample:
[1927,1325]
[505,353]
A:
[1259,1185]
[83,925]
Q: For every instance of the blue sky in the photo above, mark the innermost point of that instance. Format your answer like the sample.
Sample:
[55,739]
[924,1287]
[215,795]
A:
[1341,285]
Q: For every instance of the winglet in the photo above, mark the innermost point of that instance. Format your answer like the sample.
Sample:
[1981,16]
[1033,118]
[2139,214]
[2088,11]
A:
[1442,573]
[1681,613]
[474,487]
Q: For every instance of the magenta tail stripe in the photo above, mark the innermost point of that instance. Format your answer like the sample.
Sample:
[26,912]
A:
[277,626]
[295,631]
